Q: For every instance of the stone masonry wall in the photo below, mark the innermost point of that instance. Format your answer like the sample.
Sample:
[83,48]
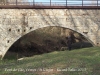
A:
[14,23]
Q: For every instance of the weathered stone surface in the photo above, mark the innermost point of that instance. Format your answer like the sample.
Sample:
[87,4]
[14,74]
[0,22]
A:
[14,23]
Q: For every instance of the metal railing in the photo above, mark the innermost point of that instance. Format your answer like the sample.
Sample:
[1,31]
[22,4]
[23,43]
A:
[52,4]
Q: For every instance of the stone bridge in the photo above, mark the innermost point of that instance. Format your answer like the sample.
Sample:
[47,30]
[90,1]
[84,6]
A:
[14,23]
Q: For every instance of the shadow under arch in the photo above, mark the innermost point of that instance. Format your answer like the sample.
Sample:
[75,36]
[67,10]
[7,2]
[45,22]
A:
[18,40]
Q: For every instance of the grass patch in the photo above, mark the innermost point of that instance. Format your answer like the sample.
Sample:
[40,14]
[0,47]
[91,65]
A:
[85,61]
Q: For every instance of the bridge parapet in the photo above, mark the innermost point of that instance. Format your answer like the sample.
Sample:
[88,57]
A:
[8,4]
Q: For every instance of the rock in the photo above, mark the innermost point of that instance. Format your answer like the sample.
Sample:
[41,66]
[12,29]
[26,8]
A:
[64,48]
[20,59]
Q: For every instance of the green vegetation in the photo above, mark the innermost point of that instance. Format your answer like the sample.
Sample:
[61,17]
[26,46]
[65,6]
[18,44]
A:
[85,61]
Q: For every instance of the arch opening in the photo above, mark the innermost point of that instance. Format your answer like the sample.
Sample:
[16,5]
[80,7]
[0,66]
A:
[44,40]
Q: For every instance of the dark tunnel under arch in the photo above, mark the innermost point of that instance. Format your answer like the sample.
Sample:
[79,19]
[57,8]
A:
[16,48]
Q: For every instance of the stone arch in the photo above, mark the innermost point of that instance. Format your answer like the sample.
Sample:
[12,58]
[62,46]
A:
[16,39]
[14,23]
